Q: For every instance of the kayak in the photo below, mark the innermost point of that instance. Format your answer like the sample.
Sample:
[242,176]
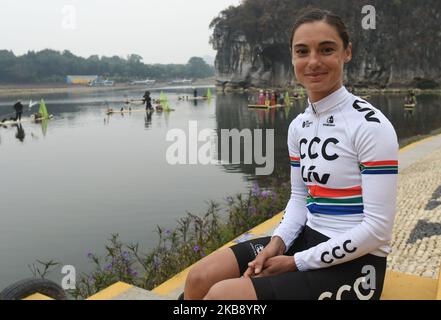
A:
[133,110]
[41,119]
[196,98]
[30,119]
[12,122]
[260,106]
[125,111]
[409,105]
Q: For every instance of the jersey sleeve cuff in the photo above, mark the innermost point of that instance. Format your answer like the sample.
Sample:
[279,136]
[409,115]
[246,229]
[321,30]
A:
[284,239]
[301,266]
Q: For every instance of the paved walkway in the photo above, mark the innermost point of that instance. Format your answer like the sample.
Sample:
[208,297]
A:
[416,243]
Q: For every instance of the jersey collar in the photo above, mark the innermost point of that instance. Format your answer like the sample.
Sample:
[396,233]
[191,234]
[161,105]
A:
[328,102]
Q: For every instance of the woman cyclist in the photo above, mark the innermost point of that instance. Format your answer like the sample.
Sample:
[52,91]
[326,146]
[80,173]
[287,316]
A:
[333,240]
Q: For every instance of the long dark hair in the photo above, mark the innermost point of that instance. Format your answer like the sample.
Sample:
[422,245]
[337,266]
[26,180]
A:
[310,14]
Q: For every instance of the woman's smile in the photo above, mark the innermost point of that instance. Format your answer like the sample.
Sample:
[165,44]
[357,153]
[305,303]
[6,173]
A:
[316,76]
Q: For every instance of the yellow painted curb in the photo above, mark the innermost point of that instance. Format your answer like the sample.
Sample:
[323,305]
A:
[37,296]
[111,292]
[174,283]
[438,294]
[401,286]
[410,146]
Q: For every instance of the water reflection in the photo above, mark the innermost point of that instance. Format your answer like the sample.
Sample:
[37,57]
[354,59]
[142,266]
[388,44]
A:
[20,135]
[409,111]
[232,112]
[148,119]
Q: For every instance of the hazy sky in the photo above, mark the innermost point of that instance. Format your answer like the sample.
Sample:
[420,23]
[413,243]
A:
[161,31]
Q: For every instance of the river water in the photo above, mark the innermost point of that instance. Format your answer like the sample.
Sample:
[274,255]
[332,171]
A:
[68,184]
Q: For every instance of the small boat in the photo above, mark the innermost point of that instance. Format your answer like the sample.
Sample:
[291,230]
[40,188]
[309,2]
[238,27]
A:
[41,115]
[101,83]
[31,119]
[181,81]
[197,98]
[147,82]
[208,96]
[6,123]
[409,105]
[112,111]
[264,106]
[39,119]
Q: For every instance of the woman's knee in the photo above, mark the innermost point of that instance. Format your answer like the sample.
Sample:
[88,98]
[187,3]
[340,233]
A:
[197,275]
[232,289]
[216,267]
[216,292]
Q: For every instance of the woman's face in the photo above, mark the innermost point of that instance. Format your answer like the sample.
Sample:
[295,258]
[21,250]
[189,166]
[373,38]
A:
[318,58]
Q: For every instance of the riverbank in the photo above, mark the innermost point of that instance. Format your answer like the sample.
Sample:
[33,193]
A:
[30,90]
[23,91]
[358,91]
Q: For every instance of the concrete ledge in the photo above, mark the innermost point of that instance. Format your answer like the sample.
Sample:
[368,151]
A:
[38,296]
[112,292]
[136,293]
[438,294]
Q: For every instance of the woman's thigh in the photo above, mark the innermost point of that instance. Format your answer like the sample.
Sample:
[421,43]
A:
[248,250]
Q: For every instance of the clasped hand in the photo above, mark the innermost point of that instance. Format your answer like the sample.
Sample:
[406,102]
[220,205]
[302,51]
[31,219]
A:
[271,261]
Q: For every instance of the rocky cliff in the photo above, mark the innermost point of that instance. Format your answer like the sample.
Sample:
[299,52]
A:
[404,49]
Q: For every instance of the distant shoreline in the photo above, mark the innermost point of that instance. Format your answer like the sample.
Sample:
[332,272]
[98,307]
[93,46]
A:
[358,91]
[23,91]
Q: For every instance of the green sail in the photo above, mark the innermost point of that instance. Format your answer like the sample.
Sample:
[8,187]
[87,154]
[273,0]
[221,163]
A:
[164,102]
[43,110]
[44,126]
[209,93]
[287,99]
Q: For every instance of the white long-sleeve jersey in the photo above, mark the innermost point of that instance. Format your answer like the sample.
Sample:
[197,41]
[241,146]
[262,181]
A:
[344,165]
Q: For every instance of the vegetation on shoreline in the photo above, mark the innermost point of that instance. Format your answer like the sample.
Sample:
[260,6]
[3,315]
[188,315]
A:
[52,67]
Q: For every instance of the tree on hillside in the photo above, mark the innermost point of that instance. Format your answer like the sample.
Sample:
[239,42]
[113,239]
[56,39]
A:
[198,68]
[52,66]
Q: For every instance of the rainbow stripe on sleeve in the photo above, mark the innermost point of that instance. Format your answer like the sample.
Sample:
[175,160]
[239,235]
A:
[295,162]
[329,201]
[379,167]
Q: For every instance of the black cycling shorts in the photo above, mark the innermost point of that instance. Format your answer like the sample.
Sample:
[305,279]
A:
[361,278]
